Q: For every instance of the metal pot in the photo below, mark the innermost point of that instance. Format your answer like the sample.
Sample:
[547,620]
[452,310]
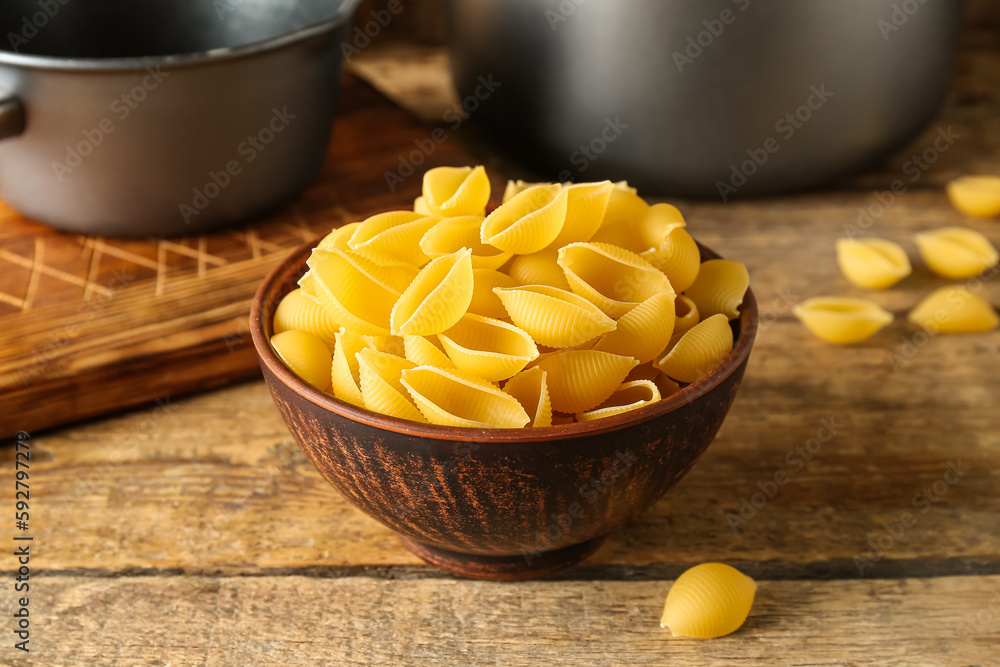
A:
[164,117]
[708,98]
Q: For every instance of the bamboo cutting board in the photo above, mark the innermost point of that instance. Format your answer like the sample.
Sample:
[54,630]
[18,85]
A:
[93,324]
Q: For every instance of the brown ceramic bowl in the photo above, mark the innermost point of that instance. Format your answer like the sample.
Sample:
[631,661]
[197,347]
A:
[499,503]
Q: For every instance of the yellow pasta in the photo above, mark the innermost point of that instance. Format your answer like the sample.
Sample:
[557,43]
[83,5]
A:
[452,234]
[842,320]
[644,331]
[389,344]
[629,396]
[539,268]
[660,220]
[484,301]
[719,288]
[453,191]
[348,290]
[528,222]
[978,196]
[531,390]
[514,188]
[954,309]
[393,235]
[612,278]
[579,380]
[298,312]
[306,355]
[338,238]
[585,208]
[420,206]
[346,375]
[623,220]
[437,298]
[426,351]
[677,255]
[492,349]
[956,252]
[872,263]
[708,601]
[453,398]
[381,386]
[685,314]
[554,317]
[699,350]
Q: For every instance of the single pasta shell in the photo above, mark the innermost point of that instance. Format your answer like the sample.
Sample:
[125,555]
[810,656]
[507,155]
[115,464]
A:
[954,309]
[452,234]
[346,375]
[842,320]
[579,380]
[423,351]
[699,350]
[978,196]
[677,256]
[685,314]
[585,208]
[627,397]
[306,355]
[554,317]
[622,224]
[452,398]
[872,263]
[348,290]
[540,268]
[709,600]
[437,298]
[381,388]
[956,252]
[453,191]
[395,234]
[484,301]
[660,220]
[644,331]
[298,312]
[492,349]
[612,278]
[528,222]
[719,288]
[531,390]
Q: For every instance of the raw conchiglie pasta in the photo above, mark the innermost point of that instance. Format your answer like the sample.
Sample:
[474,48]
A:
[585,209]
[719,288]
[677,256]
[685,314]
[698,351]
[394,235]
[420,206]
[453,191]
[389,344]
[978,196]
[453,398]
[381,388]
[579,380]
[437,298]
[484,301]
[539,268]
[298,312]
[452,234]
[306,355]
[842,320]
[629,396]
[623,220]
[554,317]
[528,222]
[659,221]
[348,290]
[531,390]
[422,351]
[954,309]
[644,331]
[338,238]
[346,375]
[872,263]
[709,600]
[648,371]
[956,252]
[514,188]
[492,349]
[612,278]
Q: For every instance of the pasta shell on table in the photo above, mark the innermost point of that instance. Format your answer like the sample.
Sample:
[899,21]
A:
[395,235]
[528,222]
[531,390]
[453,398]
[437,298]
[612,278]
[298,312]
[484,301]
[978,196]
[454,191]
[452,234]
[677,255]
[644,331]
[348,290]
[579,380]
[622,225]
[585,208]
[699,350]
[554,317]
[842,320]
[492,349]
[719,288]
[627,397]
[956,252]
[708,601]
[954,309]
[539,268]
[423,351]
[686,314]
[306,355]
[872,263]
[659,221]
[345,373]
[381,386]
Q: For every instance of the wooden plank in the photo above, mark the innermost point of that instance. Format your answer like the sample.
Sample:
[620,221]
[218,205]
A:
[361,622]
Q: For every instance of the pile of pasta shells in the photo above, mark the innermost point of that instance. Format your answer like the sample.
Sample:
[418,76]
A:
[566,303]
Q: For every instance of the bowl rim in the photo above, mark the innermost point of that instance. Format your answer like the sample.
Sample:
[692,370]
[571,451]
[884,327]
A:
[260,327]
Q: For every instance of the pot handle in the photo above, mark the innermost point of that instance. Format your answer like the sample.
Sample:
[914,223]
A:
[11,117]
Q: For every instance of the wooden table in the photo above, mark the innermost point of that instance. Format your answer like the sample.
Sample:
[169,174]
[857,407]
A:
[194,532]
